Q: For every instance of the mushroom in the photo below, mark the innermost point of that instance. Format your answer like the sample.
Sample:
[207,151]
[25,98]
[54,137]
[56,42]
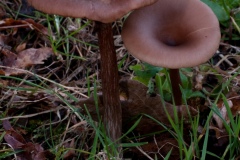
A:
[172,34]
[104,12]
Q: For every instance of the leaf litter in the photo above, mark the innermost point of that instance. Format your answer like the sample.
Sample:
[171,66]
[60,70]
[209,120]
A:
[25,48]
[27,150]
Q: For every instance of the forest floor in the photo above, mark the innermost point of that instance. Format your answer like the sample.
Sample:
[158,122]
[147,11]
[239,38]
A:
[50,82]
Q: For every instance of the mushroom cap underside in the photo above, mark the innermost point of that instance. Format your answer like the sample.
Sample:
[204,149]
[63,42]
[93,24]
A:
[99,10]
[172,33]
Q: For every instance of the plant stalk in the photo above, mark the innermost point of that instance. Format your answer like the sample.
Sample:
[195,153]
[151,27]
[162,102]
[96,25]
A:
[176,82]
[112,117]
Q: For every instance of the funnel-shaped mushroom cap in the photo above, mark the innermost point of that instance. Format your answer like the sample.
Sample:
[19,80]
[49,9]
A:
[98,10]
[172,33]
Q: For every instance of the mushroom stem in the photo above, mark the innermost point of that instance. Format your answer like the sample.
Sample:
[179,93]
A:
[176,82]
[110,82]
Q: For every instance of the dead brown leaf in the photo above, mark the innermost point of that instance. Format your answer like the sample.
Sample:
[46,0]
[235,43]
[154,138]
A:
[24,59]
[27,23]
[135,101]
[21,47]
[161,147]
[71,151]
[31,151]
[218,138]
[233,100]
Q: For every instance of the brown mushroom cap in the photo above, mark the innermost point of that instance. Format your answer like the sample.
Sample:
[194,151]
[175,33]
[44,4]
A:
[172,33]
[99,10]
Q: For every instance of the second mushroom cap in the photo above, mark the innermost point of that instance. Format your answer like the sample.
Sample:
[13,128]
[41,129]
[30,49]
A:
[172,33]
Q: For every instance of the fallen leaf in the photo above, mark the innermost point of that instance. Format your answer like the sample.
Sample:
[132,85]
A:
[30,151]
[27,23]
[233,101]
[21,47]
[11,136]
[218,138]
[25,59]
[135,102]
[71,151]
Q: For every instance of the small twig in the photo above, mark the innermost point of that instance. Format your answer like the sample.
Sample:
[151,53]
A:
[225,59]
[72,75]
[76,125]
[30,115]
[144,153]
[48,80]
[17,26]
[231,46]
